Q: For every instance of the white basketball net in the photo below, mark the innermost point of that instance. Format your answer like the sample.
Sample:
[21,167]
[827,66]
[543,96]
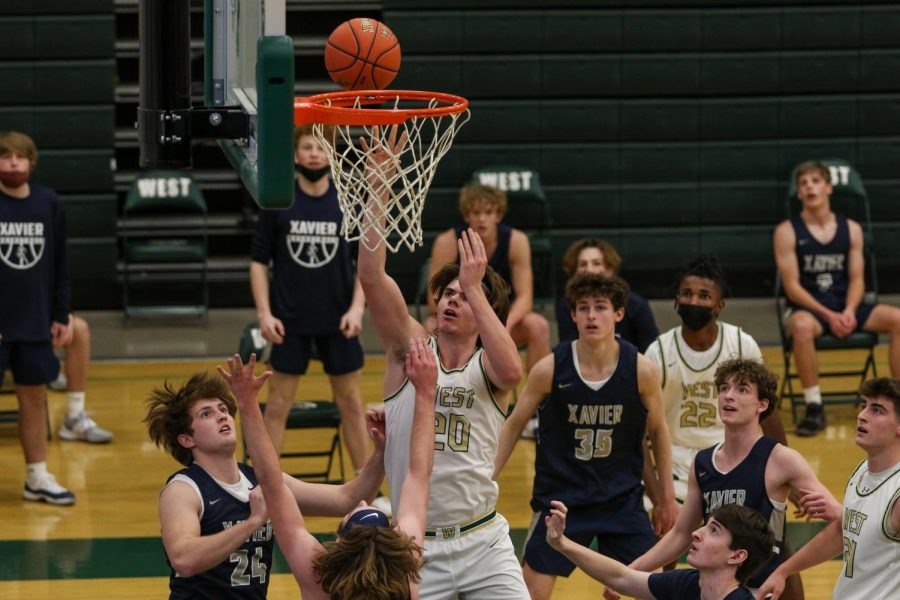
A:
[384,205]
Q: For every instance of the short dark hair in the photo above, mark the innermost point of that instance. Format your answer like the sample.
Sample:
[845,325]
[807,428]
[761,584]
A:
[592,285]
[611,259]
[705,266]
[750,371]
[883,386]
[495,288]
[169,411]
[750,532]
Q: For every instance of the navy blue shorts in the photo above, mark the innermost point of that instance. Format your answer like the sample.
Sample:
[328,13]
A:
[338,354]
[623,534]
[863,311]
[31,363]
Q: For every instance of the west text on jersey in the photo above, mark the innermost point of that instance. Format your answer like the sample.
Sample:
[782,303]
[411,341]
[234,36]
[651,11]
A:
[853,520]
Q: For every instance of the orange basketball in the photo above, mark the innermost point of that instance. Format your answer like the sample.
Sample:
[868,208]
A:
[362,54]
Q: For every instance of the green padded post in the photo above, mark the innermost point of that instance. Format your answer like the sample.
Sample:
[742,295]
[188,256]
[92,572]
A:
[270,180]
[275,120]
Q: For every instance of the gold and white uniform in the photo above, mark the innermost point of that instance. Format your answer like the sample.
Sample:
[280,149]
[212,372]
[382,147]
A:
[690,394]
[871,547]
[467,545]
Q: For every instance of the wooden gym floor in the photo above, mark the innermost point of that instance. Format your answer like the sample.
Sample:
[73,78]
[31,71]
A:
[108,545]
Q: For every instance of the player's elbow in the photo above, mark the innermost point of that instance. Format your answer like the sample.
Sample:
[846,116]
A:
[509,376]
[186,565]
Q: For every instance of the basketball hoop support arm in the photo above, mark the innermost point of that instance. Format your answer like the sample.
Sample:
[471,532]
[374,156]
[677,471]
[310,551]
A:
[166,121]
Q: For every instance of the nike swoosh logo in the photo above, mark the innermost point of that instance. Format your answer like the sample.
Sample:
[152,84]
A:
[211,502]
[673,363]
[563,386]
[802,242]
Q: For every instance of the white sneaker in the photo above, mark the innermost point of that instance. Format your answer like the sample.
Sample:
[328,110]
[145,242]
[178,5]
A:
[46,489]
[530,431]
[84,428]
[383,503]
[60,384]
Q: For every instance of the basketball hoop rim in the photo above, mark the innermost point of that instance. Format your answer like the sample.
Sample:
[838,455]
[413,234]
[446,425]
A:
[336,108]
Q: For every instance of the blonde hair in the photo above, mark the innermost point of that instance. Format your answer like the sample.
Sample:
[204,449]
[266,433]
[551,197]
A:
[18,143]
[369,563]
[474,195]
[328,131]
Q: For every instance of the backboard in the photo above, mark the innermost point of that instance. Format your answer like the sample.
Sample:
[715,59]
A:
[249,63]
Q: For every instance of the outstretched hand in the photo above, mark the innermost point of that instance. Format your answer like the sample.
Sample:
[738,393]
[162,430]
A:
[472,260]
[772,588]
[375,425]
[243,383]
[818,505]
[556,523]
[383,159]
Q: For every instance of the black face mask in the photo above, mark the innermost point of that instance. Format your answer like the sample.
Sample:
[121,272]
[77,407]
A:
[313,175]
[695,317]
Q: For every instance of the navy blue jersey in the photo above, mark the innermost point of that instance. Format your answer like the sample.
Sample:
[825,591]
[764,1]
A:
[313,269]
[637,326]
[589,443]
[34,274]
[499,260]
[745,485]
[245,573]
[824,267]
[684,584]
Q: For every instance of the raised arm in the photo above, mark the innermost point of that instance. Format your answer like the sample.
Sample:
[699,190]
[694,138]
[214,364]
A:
[522,278]
[297,544]
[605,570]
[443,251]
[387,307]
[666,509]
[537,387]
[501,361]
[412,508]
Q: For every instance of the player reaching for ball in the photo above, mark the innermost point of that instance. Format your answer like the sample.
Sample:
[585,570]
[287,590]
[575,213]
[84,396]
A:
[467,546]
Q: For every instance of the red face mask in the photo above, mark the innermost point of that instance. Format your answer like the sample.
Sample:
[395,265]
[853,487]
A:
[14,179]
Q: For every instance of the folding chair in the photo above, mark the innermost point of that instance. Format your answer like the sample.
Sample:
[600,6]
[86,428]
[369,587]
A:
[315,414]
[849,198]
[530,212]
[164,247]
